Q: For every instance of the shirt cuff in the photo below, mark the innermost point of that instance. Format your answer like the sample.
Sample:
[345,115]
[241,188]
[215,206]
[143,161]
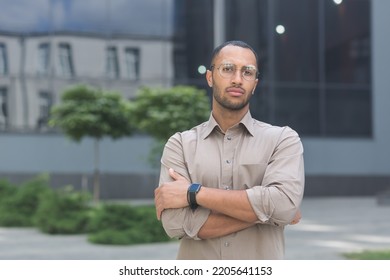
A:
[258,205]
[195,220]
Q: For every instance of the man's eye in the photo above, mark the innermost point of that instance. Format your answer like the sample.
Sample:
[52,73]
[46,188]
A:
[249,73]
[228,68]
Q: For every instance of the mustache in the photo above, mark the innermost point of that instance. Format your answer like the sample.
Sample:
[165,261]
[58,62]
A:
[235,88]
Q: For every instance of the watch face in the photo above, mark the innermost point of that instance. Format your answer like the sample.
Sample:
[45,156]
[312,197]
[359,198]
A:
[195,187]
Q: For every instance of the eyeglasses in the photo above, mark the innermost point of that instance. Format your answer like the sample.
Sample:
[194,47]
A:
[227,70]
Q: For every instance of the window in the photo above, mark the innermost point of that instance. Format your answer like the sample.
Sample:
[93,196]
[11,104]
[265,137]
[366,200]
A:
[321,82]
[296,41]
[347,56]
[43,59]
[3,60]
[112,63]
[3,108]
[132,63]
[347,42]
[44,103]
[66,60]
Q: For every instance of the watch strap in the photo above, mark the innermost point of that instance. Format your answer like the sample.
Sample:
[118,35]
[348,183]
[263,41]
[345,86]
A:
[193,189]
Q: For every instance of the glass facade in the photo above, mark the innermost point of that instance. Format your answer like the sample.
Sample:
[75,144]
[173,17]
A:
[315,62]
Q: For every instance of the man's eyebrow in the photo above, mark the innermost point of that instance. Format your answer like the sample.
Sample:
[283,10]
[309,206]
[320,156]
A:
[249,66]
[246,66]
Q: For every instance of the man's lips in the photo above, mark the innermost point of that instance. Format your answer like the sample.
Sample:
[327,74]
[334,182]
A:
[235,91]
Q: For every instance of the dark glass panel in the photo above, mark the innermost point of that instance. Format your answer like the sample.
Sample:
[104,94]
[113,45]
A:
[348,112]
[296,50]
[298,108]
[347,42]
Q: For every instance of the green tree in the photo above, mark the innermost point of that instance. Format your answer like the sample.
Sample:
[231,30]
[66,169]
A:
[162,112]
[85,111]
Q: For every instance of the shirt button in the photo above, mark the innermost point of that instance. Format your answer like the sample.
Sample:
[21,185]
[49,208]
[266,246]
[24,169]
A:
[229,138]
[227,188]
[228,161]
[226,244]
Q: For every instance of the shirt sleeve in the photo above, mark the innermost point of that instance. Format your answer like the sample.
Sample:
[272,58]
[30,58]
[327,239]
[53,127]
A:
[182,222]
[279,197]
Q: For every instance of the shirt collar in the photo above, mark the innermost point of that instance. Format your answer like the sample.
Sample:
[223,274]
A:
[247,121]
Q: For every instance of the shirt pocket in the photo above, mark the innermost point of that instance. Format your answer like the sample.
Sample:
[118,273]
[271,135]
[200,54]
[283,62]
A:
[251,174]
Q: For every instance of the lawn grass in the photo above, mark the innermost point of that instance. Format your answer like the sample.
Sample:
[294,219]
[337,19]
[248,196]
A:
[369,255]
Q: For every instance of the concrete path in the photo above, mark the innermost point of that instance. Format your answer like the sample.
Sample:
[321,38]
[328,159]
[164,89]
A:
[329,227]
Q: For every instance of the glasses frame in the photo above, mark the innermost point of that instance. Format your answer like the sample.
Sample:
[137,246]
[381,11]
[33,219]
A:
[241,70]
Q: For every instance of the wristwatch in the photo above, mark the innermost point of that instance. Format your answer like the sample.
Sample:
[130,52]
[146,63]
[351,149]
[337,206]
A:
[193,189]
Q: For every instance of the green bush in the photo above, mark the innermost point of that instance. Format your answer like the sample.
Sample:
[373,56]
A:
[17,209]
[66,211]
[7,189]
[63,211]
[124,224]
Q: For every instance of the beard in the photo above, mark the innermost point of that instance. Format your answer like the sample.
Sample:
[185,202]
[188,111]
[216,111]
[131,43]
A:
[223,101]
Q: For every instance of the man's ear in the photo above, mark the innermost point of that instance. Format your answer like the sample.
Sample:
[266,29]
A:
[209,78]
[254,88]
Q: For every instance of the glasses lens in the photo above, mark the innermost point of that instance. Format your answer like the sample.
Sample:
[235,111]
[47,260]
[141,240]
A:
[227,70]
[249,73]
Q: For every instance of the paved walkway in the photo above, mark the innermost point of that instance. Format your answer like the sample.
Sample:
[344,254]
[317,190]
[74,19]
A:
[329,227]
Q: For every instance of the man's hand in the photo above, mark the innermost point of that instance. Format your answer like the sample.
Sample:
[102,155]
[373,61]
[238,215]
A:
[297,218]
[171,194]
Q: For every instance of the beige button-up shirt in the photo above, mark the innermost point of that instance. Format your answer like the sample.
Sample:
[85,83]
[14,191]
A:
[264,160]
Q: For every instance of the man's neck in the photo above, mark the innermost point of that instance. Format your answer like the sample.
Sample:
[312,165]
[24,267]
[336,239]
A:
[227,119]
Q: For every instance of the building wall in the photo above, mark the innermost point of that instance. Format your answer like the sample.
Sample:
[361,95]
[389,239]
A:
[124,166]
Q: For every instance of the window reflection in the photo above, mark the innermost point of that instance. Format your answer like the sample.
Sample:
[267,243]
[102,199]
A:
[132,63]
[112,64]
[43,59]
[44,105]
[66,60]
[3,108]
[3,60]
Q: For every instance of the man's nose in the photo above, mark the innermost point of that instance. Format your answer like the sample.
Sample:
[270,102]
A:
[237,77]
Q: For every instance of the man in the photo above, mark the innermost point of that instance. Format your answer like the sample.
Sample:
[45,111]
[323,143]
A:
[230,185]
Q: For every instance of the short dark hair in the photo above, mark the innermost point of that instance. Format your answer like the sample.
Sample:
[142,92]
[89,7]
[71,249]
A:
[236,43]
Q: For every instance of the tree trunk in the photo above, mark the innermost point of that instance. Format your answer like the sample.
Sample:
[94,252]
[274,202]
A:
[96,181]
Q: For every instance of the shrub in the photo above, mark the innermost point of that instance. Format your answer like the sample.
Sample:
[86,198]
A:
[125,224]
[63,211]
[18,208]
[7,189]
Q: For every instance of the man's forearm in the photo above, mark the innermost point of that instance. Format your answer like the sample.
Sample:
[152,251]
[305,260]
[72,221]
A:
[233,203]
[218,225]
